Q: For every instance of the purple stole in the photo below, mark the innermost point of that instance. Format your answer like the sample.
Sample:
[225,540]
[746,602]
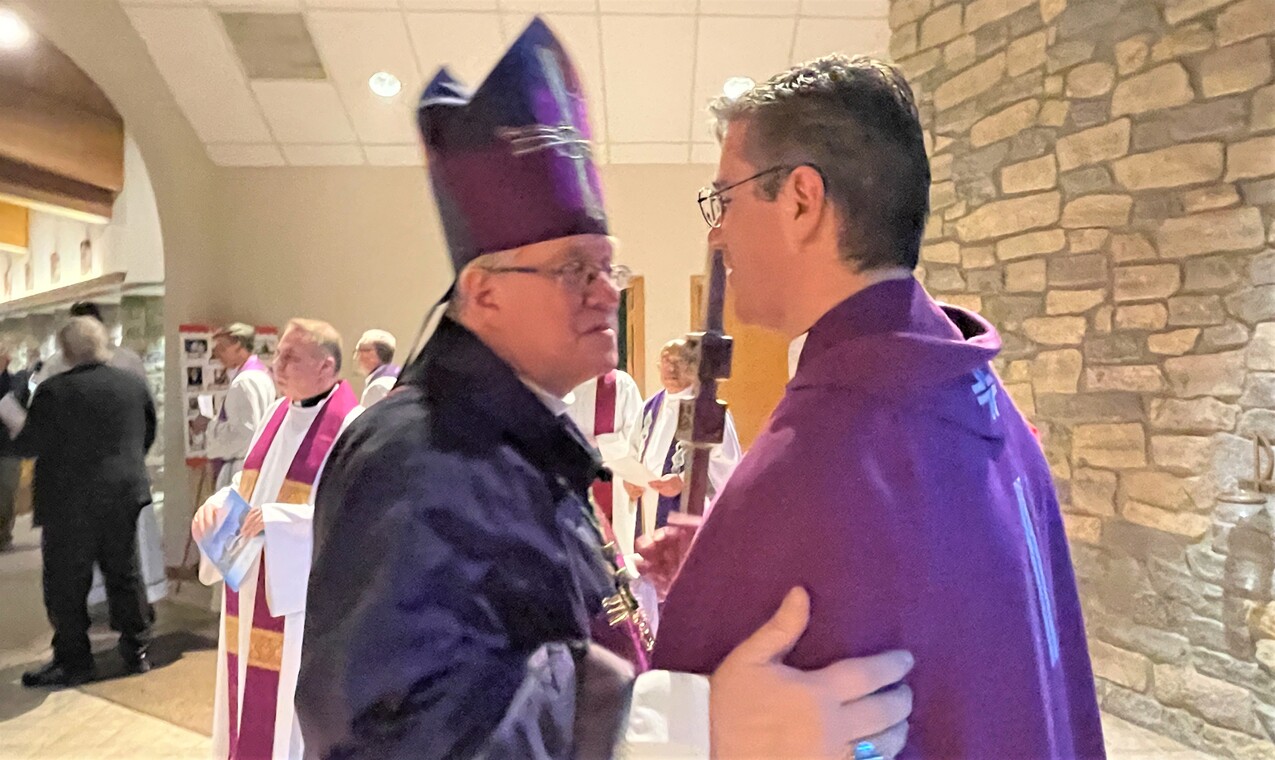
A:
[253,737]
[253,364]
[385,370]
[665,504]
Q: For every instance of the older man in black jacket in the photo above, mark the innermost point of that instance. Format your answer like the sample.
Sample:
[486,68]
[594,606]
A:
[89,429]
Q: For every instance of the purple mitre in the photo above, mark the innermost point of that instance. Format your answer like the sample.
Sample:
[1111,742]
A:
[511,162]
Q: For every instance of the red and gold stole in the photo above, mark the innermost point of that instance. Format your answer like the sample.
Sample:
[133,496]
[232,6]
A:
[253,736]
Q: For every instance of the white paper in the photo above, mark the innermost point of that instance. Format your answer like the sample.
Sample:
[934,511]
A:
[12,415]
[620,459]
[206,405]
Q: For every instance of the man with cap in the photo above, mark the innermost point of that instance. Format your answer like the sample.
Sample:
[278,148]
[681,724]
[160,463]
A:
[458,569]
[251,393]
[375,356]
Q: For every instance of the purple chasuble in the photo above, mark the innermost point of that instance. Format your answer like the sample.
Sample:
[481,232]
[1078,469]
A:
[253,737]
[897,482]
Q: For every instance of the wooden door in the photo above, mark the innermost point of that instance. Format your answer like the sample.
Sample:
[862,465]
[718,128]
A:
[632,333]
[759,371]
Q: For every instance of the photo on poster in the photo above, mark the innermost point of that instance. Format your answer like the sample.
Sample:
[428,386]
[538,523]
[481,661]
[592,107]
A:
[194,378]
[196,348]
[86,257]
[196,441]
[265,345]
[192,406]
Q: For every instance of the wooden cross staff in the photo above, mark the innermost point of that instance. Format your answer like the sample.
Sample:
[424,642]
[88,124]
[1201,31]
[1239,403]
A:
[701,421]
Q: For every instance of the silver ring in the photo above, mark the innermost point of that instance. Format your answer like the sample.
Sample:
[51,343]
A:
[866,751]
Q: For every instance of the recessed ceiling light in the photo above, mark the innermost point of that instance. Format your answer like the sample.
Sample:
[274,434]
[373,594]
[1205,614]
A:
[736,87]
[14,32]
[385,84]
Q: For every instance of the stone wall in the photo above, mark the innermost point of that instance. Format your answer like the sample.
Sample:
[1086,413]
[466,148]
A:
[1104,192]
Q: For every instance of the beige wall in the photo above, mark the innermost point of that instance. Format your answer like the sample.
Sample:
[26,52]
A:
[361,247]
[358,246]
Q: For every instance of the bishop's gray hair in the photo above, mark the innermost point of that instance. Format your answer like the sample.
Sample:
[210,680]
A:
[83,341]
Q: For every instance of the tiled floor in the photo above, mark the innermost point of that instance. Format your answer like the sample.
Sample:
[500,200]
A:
[74,724]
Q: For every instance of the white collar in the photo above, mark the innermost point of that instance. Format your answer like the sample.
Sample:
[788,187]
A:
[555,404]
[682,394]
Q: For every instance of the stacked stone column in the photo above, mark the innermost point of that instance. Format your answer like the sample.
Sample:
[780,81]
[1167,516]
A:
[1104,192]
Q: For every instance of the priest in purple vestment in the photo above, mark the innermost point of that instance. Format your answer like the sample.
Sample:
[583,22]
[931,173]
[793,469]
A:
[896,480]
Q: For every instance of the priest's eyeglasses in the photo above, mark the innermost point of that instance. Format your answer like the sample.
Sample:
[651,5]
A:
[577,275]
[710,200]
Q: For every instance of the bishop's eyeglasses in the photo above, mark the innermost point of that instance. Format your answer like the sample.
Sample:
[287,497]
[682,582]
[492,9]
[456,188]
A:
[577,275]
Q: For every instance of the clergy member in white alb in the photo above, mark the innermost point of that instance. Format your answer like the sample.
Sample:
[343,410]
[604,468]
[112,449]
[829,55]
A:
[375,355]
[251,393]
[259,651]
[608,411]
[659,449]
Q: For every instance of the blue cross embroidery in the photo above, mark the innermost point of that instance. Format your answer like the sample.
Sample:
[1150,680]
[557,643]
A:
[985,390]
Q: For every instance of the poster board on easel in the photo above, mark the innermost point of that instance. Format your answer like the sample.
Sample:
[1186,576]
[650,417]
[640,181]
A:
[205,381]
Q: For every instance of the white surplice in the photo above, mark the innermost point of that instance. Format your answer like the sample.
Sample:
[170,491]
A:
[251,393]
[289,534]
[628,420]
[658,437]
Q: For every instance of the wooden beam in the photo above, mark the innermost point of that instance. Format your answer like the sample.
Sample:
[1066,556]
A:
[80,291]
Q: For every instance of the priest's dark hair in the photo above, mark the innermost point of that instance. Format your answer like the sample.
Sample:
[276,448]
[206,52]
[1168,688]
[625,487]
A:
[86,309]
[855,120]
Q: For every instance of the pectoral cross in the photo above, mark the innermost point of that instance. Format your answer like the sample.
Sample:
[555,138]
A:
[701,421]
[565,139]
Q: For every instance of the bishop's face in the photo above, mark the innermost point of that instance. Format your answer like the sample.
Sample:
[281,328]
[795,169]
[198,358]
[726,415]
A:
[550,310]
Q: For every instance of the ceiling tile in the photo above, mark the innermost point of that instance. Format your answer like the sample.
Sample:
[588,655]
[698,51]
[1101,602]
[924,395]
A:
[649,153]
[161,2]
[194,57]
[246,155]
[706,153]
[549,6]
[649,63]
[392,5]
[451,5]
[304,112]
[846,8]
[356,44]
[395,155]
[748,7]
[323,155]
[256,5]
[677,7]
[736,46]
[821,36]
[469,44]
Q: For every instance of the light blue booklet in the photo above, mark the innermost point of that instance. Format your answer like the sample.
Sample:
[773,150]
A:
[226,548]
